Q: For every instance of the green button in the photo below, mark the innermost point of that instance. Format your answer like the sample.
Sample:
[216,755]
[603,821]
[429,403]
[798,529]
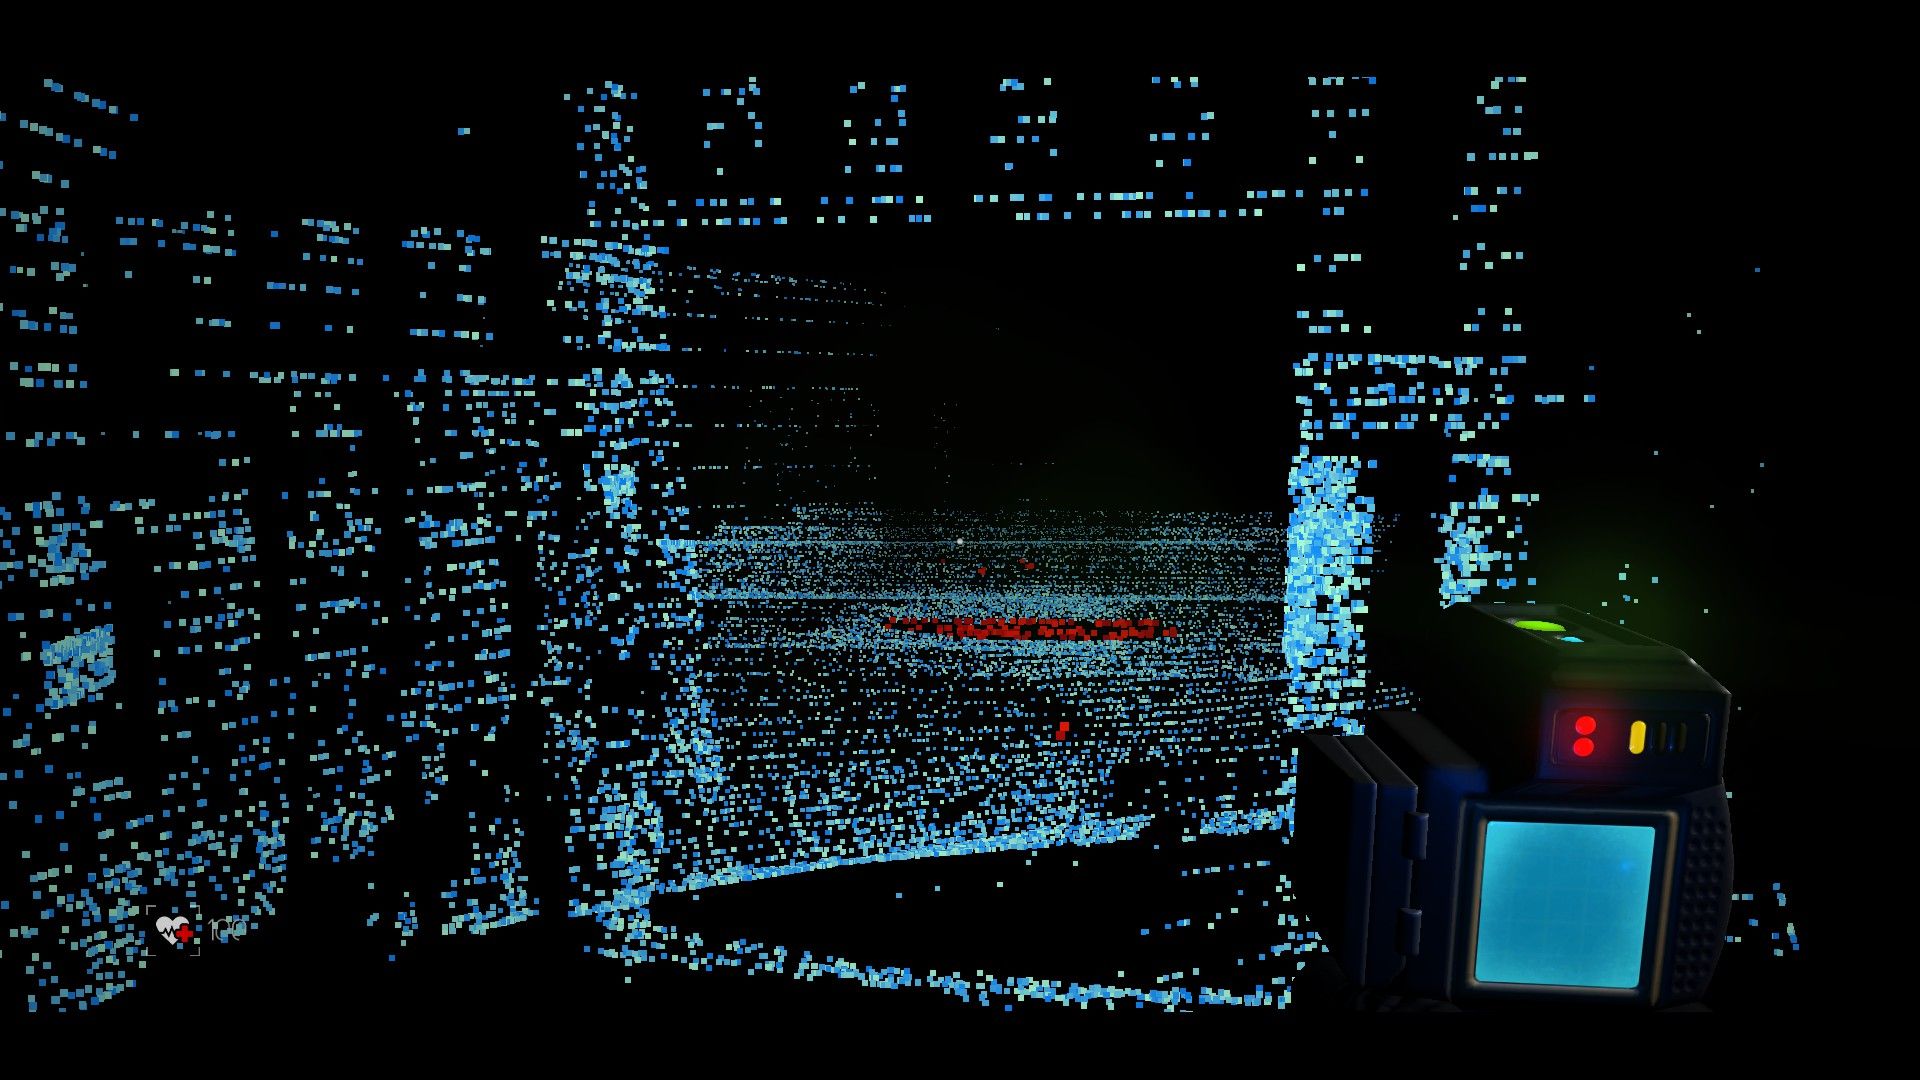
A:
[1541,625]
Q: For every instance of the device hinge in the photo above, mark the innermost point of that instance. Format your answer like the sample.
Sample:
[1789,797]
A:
[1408,932]
[1415,846]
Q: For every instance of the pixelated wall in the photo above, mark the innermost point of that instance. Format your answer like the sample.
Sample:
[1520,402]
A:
[323,520]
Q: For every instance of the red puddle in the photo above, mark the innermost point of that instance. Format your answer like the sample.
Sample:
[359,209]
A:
[1026,629]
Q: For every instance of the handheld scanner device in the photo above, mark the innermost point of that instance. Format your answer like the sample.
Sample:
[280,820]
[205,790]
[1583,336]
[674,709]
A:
[1545,693]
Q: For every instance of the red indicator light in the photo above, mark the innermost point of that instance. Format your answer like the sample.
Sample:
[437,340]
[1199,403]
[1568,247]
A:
[1585,725]
[1583,747]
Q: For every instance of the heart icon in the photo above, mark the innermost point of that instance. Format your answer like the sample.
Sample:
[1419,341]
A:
[174,928]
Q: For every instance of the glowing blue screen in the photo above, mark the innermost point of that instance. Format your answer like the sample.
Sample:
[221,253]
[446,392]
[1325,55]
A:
[1564,904]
